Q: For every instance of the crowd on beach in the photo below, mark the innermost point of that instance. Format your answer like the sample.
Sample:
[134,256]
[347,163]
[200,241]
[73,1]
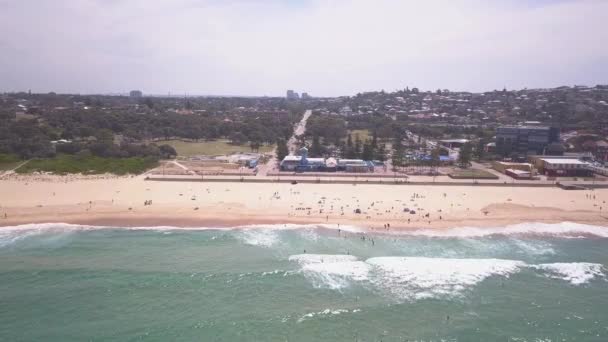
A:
[407,211]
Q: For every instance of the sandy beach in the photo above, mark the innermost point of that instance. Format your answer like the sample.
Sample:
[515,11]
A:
[133,201]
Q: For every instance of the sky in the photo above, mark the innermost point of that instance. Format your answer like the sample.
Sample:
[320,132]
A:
[323,47]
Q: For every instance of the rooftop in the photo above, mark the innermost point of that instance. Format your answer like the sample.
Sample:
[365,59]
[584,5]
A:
[461,141]
[292,158]
[524,127]
[572,161]
[518,172]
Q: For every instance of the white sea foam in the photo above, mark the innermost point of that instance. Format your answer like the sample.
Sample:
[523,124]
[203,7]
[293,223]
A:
[417,278]
[259,237]
[9,237]
[534,248]
[565,229]
[305,259]
[414,278]
[13,234]
[576,273]
[406,277]
[309,234]
[332,271]
[326,312]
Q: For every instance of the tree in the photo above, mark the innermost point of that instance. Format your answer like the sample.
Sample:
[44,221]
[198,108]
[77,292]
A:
[255,146]
[238,138]
[397,158]
[357,148]
[282,150]
[149,102]
[350,150]
[480,149]
[398,150]
[368,151]
[167,151]
[380,153]
[464,157]
[316,150]
[435,156]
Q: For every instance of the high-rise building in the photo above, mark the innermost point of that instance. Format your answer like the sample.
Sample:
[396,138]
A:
[305,96]
[292,95]
[525,139]
[136,93]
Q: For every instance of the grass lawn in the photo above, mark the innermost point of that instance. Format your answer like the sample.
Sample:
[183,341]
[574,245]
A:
[8,162]
[472,174]
[64,164]
[217,147]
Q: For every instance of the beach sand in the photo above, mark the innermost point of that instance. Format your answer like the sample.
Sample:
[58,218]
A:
[120,201]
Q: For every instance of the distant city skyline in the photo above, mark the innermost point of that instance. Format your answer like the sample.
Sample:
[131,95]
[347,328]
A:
[326,48]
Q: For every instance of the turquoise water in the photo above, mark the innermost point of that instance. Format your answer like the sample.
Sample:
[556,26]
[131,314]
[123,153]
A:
[69,283]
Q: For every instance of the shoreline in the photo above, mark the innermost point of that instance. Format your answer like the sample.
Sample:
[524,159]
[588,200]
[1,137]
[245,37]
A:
[162,217]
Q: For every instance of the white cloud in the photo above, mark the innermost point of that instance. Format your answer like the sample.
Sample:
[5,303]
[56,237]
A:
[324,47]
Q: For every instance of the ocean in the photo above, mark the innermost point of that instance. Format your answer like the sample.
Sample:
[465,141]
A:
[529,282]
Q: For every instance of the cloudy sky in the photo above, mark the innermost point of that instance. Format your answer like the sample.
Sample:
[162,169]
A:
[325,47]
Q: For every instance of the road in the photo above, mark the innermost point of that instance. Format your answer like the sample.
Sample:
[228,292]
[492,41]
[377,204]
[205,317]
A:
[298,130]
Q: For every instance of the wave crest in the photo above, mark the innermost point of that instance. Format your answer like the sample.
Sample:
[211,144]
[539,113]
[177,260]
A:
[414,278]
[576,273]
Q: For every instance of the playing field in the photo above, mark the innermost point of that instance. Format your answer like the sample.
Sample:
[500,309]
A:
[217,147]
[8,162]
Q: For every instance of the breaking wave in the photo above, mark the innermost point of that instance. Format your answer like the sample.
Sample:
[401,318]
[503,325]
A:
[13,234]
[415,278]
[419,278]
[259,237]
[564,229]
[327,312]
[576,273]
[332,271]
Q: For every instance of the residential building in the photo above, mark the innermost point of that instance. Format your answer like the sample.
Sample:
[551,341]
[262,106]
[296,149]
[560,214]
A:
[136,93]
[292,95]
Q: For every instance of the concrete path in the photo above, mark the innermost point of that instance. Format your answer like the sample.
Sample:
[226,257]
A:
[11,171]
